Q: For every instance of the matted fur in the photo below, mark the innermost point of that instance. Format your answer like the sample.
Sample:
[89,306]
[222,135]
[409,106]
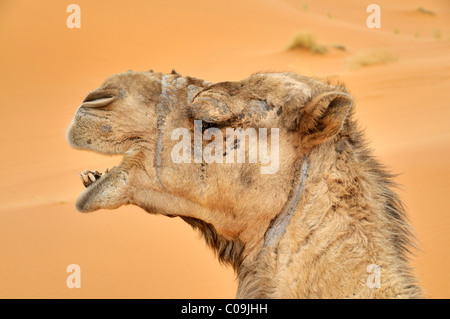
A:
[347,216]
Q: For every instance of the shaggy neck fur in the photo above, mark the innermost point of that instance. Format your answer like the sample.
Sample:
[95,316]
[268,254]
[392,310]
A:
[346,219]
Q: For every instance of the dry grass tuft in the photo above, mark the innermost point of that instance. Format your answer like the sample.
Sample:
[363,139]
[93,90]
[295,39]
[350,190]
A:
[437,34]
[339,46]
[425,11]
[304,40]
[371,57]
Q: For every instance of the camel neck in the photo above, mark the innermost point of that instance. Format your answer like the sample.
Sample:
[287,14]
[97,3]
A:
[338,222]
[278,225]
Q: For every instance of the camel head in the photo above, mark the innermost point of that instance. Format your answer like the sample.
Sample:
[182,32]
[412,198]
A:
[222,156]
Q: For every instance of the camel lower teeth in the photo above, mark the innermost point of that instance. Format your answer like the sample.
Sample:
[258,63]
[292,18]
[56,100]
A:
[88,177]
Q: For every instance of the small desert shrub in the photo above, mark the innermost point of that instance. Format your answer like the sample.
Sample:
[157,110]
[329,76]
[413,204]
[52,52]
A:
[305,7]
[425,11]
[437,34]
[304,40]
[338,46]
[371,57]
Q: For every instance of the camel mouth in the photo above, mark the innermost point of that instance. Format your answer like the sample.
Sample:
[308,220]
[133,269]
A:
[96,181]
[92,177]
[88,177]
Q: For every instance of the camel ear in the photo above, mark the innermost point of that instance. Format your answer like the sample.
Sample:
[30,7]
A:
[324,117]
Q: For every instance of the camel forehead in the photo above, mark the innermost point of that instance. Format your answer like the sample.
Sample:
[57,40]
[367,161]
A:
[127,79]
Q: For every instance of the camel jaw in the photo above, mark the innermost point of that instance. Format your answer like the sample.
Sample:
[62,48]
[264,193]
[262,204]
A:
[94,179]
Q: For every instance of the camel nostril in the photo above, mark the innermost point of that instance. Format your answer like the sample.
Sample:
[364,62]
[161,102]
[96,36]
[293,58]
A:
[98,102]
[89,141]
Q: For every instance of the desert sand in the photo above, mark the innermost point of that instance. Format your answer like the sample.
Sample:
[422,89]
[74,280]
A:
[46,70]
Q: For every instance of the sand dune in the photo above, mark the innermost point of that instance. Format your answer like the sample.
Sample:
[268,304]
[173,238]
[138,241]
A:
[47,69]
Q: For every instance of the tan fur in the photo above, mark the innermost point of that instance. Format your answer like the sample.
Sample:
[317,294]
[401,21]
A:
[347,216]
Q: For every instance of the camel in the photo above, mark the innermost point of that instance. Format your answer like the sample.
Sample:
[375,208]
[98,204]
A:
[326,224]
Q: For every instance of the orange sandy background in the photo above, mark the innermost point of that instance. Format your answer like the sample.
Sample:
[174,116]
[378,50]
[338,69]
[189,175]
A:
[46,70]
